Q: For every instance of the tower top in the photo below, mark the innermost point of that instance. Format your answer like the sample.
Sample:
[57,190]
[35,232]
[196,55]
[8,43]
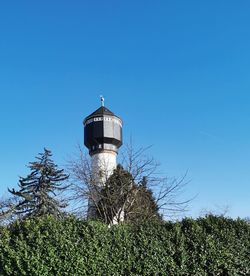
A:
[101,111]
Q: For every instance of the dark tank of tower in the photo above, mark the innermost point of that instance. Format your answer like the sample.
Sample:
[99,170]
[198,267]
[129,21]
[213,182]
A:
[102,131]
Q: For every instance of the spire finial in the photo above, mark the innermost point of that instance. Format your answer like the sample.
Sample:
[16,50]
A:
[102,100]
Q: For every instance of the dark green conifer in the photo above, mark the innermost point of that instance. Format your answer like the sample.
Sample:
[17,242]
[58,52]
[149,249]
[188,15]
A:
[144,206]
[38,191]
[121,193]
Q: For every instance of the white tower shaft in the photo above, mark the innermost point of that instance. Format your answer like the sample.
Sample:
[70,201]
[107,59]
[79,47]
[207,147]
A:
[103,165]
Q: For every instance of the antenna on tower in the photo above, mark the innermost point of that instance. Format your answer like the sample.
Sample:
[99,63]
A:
[102,100]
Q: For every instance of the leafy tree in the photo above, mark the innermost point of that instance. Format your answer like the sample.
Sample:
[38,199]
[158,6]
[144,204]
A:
[37,193]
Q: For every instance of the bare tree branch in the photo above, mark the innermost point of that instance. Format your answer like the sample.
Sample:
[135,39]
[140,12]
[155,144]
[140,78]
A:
[120,201]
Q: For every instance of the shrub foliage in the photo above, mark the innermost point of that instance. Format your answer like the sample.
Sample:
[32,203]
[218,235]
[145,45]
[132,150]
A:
[69,246]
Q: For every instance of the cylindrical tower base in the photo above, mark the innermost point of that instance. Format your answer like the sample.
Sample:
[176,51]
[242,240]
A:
[103,165]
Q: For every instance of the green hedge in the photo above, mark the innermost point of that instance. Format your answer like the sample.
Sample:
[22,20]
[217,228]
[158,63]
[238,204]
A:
[206,246]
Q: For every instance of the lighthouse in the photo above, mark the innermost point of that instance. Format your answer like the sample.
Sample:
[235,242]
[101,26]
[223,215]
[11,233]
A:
[102,137]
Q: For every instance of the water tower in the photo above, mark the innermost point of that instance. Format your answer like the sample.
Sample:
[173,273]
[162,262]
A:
[102,137]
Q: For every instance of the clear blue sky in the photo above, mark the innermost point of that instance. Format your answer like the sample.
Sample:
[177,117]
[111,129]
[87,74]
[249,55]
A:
[177,72]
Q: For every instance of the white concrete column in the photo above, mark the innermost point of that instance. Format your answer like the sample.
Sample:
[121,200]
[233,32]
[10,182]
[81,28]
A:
[103,165]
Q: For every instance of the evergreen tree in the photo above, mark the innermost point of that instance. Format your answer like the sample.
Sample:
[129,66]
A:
[37,194]
[124,200]
[144,206]
[114,196]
